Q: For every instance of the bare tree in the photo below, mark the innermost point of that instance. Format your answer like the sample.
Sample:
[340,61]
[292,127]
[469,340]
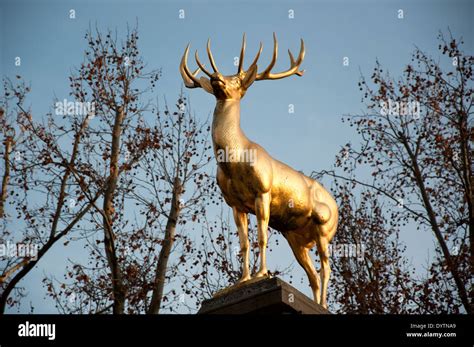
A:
[41,171]
[417,143]
[111,78]
[372,274]
[179,164]
[11,141]
[114,76]
[169,190]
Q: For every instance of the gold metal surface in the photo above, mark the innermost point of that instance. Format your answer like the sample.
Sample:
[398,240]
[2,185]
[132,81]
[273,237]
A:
[253,182]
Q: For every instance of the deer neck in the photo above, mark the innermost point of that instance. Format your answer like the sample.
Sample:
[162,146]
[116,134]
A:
[226,131]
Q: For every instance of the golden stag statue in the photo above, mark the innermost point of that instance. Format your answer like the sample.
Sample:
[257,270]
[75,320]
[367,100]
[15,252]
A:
[290,202]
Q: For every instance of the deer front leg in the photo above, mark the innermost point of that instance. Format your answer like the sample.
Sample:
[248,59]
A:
[262,212]
[240,219]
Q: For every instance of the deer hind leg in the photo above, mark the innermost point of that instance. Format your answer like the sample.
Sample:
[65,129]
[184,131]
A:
[321,211]
[262,212]
[323,251]
[301,252]
[241,221]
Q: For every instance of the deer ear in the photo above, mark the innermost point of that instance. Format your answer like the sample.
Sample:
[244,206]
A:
[206,85]
[250,76]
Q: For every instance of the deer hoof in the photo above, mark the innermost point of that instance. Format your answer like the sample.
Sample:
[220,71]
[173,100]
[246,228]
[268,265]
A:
[243,279]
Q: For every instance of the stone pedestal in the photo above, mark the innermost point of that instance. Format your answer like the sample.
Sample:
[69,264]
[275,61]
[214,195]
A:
[264,296]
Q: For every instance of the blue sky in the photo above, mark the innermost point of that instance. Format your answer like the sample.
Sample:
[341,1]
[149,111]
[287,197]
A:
[50,44]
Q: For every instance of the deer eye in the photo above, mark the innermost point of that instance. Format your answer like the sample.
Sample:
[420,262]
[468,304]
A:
[235,82]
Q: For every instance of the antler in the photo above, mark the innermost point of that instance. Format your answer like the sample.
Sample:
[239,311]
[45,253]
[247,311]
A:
[242,54]
[211,58]
[293,70]
[190,79]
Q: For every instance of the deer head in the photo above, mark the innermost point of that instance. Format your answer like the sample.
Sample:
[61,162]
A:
[235,86]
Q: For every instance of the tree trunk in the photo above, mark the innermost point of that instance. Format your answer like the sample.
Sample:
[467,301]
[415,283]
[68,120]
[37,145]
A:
[161,267]
[467,176]
[436,230]
[6,175]
[108,215]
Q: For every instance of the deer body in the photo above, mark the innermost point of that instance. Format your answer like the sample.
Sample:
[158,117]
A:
[292,194]
[279,196]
